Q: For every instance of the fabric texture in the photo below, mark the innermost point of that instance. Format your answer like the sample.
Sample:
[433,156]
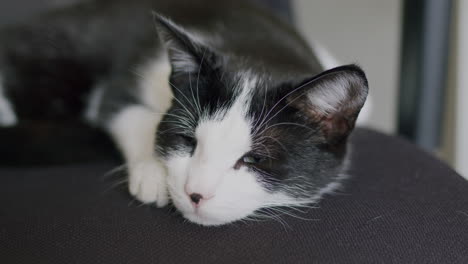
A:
[400,205]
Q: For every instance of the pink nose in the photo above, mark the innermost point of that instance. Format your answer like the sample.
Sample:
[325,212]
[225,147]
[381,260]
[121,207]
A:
[197,198]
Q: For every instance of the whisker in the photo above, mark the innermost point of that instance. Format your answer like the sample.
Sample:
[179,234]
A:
[196,101]
[276,140]
[115,185]
[279,101]
[198,74]
[186,98]
[183,105]
[286,123]
[182,131]
[114,170]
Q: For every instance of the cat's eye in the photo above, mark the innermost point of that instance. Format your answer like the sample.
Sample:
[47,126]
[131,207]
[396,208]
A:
[188,139]
[248,160]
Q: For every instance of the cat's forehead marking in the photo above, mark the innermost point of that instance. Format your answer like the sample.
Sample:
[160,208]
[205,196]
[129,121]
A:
[226,139]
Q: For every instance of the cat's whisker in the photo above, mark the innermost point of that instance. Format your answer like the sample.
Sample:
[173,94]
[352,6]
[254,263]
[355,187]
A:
[189,118]
[275,140]
[263,108]
[285,212]
[169,114]
[183,105]
[187,111]
[182,131]
[197,100]
[286,123]
[115,185]
[277,218]
[283,98]
[198,74]
[192,104]
[181,125]
[114,170]
[182,118]
[178,124]
[268,152]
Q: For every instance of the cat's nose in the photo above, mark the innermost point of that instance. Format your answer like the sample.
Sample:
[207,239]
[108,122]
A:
[196,198]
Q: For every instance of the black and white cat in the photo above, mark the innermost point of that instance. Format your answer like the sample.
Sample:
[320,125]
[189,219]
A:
[218,106]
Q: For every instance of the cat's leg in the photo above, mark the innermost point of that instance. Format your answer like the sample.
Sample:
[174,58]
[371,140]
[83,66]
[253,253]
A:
[118,108]
[134,131]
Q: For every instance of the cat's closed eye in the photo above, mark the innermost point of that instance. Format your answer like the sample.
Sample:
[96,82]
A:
[249,160]
[190,140]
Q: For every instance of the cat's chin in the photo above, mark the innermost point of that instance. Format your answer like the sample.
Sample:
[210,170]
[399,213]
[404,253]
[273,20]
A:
[210,216]
[206,219]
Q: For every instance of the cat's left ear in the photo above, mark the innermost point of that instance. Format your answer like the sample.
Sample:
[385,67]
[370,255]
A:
[332,100]
[186,51]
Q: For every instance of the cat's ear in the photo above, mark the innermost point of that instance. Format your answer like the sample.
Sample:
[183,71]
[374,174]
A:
[185,50]
[332,100]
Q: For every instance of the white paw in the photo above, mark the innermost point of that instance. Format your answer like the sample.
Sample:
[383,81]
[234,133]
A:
[147,182]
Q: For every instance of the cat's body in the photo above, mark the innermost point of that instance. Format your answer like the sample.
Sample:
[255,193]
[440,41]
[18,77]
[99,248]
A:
[253,123]
[101,40]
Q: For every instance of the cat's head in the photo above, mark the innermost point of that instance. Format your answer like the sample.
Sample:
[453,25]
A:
[238,139]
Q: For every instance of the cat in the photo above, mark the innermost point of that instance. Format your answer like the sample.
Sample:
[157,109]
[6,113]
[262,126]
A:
[218,106]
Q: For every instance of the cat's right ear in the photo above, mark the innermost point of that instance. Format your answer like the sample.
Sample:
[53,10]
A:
[186,51]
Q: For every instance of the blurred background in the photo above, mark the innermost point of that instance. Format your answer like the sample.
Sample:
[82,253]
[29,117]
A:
[412,52]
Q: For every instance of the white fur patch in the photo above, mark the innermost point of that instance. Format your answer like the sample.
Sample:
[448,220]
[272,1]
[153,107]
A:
[155,91]
[237,194]
[147,182]
[327,99]
[231,194]
[221,142]
[330,96]
[134,130]
[7,114]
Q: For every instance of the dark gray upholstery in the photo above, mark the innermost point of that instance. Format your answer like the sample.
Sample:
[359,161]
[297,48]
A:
[400,206]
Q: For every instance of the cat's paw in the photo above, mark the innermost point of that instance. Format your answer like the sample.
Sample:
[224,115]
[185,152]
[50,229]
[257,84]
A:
[147,182]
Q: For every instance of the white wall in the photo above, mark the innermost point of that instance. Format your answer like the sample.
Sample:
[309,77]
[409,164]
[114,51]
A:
[366,32]
[461,108]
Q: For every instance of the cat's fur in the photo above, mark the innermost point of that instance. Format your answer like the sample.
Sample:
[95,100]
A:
[217,105]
